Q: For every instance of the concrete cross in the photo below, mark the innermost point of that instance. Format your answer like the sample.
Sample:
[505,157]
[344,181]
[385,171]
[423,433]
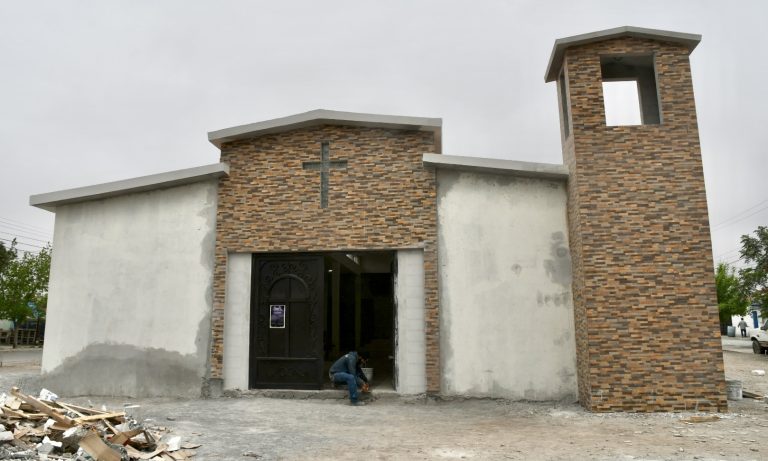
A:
[324,167]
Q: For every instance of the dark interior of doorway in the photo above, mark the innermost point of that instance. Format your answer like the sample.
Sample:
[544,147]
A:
[360,310]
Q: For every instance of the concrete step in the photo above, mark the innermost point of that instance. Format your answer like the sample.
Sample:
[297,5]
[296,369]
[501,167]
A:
[324,394]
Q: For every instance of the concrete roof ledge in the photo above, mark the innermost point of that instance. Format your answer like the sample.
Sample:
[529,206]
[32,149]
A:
[49,201]
[325,117]
[497,166]
[562,44]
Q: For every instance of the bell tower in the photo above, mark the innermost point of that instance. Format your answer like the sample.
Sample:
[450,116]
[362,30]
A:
[647,331]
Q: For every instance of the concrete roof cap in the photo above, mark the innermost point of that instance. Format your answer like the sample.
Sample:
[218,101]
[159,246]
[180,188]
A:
[49,201]
[562,44]
[497,166]
[326,117]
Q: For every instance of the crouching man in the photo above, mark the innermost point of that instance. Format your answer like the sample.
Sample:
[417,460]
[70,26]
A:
[348,370]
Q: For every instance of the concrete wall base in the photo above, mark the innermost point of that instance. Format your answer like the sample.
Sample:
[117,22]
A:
[213,388]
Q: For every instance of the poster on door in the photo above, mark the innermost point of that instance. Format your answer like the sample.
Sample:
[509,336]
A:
[277,314]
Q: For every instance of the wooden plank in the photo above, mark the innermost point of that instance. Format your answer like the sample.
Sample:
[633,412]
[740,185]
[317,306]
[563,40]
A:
[69,408]
[702,419]
[84,419]
[111,427]
[21,414]
[119,439]
[83,410]
[122,438]
[99,450]
[42,407]
[59,427]
[13,403]
[7,412]
[751,395]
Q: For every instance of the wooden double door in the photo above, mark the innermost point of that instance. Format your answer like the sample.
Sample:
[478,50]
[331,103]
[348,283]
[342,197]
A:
[286,350]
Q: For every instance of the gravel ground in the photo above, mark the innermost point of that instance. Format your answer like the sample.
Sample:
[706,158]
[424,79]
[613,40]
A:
[271,429]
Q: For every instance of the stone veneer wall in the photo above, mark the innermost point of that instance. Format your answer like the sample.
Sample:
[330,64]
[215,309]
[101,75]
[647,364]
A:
[640,243]
[384,199]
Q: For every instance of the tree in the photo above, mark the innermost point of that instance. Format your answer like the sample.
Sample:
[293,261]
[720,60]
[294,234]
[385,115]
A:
[731,298]
[24,288]
[7,255]
[754,251]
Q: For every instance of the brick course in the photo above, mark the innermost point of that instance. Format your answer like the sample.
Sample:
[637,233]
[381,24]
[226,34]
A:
[383,200]
[645,307]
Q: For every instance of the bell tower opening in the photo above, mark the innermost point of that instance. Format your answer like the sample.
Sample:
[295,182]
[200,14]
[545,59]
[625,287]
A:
[630,92]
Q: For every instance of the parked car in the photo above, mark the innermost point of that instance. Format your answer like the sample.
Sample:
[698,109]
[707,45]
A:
[760,339]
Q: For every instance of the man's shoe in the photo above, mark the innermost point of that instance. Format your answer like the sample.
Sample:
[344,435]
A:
[357,403]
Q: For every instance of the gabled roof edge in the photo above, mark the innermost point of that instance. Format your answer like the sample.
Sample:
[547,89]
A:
[323,117]
[562,44]
[49,201]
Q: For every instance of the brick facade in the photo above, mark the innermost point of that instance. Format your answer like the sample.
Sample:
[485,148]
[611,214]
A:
[383,200]
[644,296]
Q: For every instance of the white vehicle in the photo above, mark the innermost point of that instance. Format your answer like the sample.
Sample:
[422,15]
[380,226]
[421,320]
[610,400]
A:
[760,339]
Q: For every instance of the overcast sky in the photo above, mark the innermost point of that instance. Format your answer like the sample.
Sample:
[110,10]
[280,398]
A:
[97,91]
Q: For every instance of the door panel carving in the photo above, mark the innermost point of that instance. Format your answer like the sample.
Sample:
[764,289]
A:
[286,327]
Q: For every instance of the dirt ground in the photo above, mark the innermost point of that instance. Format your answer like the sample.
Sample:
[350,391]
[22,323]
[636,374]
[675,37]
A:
[271,429]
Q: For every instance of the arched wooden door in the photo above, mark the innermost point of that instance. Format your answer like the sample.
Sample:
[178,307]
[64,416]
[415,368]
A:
[287,322]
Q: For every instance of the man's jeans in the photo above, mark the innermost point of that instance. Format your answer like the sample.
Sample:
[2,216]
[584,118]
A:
[351,382]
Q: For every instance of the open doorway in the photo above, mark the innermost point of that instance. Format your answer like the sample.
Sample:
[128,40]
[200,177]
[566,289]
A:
[360,310]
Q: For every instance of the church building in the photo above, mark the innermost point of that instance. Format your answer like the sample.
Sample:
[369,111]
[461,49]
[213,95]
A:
[325,232]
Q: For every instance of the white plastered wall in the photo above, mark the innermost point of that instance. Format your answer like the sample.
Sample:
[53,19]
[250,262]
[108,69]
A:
[506,309]
[411,341]
[237,321]
[130,293]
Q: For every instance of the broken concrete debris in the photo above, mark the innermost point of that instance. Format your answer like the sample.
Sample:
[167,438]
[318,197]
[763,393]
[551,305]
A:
[44,428]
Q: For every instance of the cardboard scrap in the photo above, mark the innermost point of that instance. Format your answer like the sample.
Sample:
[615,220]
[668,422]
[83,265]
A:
[182,455]
[161,448]
[99,450]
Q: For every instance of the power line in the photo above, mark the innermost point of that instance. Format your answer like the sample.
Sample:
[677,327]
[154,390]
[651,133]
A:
[727,252]
[21,229]
[739,213]
[22,243]
[738,216]
[19,223]
[745,217]
[25,237]
[16,228]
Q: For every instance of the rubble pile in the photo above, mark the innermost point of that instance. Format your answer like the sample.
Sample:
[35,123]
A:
[44,428]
